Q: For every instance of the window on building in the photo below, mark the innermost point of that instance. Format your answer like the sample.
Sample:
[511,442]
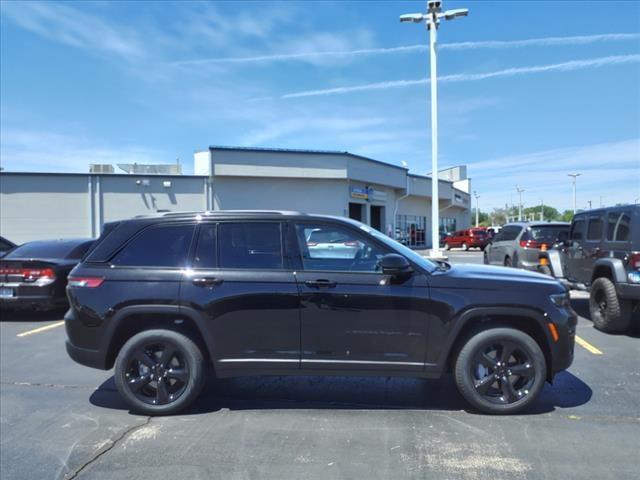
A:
[164,246]
[334,248]
[447,225]
[410,230]
[205,254]
[250,245]
[619,226]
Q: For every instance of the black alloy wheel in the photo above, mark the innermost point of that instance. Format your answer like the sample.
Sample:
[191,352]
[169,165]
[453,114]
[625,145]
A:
[503,373]
[500,370]
[159,372]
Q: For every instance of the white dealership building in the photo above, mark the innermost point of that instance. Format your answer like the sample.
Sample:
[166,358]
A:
[386,196]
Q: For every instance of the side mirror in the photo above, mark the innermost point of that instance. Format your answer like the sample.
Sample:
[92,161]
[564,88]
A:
[395,265]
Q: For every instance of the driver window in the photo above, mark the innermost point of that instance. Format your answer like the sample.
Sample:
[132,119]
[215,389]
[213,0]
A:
[334,248]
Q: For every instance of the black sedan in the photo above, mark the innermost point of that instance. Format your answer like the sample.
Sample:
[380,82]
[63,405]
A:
[34,275]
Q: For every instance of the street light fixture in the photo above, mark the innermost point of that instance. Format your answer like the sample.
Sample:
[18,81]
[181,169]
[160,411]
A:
[575,176]
[519,190]
[432,21]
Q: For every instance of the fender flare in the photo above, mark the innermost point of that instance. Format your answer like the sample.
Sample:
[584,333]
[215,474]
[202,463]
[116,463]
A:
[614,265]
[178,310]
[462,320]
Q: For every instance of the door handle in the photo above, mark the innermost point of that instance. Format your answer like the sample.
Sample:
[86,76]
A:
[206,281]
[320,283]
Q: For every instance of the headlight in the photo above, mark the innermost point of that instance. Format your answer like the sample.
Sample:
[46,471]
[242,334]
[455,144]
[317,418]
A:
[561,300]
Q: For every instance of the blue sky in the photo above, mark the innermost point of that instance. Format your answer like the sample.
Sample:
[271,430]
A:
[530,91]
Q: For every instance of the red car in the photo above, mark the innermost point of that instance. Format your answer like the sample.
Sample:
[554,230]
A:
[466,239]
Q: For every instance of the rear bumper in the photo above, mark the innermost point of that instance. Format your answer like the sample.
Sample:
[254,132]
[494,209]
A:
[32,303]
[628,291]
[76,330]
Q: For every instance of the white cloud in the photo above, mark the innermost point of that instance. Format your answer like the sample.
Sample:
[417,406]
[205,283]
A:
[468,77]
[610,170]
[326,52]
[70,26]
[45,151]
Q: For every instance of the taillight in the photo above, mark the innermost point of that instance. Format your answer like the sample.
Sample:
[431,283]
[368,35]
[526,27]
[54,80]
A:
[31,274]
[530,244]
[634,260]
[85,282]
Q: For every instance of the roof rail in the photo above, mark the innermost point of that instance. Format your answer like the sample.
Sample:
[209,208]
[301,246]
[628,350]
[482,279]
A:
[219,213]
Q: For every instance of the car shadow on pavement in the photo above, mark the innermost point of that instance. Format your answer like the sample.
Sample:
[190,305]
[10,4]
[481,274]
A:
[31,315]
[349,393]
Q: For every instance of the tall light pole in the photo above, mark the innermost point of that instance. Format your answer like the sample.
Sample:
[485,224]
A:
[475,194]
[519,190]
[431,20]
[575,176]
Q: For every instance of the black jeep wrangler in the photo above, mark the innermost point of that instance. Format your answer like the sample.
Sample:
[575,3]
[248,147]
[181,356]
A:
[602,254]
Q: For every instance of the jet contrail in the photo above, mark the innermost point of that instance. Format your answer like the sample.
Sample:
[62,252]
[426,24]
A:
[469,77]
[491,44]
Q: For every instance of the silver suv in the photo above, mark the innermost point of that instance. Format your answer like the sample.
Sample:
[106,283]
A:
[518,244]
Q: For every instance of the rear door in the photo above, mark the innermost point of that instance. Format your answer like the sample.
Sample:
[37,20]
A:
[352,316]
[240,281]
[592,249]
[574,253]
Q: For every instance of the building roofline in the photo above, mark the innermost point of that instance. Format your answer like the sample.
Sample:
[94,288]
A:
[173,175]
[304,151]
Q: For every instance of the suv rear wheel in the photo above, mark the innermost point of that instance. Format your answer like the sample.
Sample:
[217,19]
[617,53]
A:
[608,312]
[500,371]
[159,372]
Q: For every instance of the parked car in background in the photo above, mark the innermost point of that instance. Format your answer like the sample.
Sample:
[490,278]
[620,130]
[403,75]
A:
[163,297]
[5,246]
[602,254]
[466,239]
[34,274]
[518,244]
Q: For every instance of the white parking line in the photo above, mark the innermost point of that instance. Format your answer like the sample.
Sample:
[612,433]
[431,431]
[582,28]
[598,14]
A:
[41,329]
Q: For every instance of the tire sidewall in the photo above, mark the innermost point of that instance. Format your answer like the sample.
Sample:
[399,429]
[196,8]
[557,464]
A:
[616,318]
[191,355]
[464,378]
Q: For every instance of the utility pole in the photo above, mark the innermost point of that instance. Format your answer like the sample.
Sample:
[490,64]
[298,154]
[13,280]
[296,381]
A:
[475,194]
[520,190]
[575,176]
[431,20]
[589,202]
[542,210]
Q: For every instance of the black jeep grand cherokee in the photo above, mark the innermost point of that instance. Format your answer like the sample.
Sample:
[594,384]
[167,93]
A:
[283,293]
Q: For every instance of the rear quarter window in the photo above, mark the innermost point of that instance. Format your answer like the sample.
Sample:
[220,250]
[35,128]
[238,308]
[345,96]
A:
[157,246]
[619,226]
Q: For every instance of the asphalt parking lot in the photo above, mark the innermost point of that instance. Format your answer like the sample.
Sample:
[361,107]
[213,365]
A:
[62,420]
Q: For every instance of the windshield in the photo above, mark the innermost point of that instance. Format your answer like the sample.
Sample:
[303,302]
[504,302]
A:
[407,252]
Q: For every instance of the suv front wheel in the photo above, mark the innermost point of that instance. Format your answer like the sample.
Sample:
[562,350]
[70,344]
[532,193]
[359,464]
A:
[159,372]
[500,371]
[608,312]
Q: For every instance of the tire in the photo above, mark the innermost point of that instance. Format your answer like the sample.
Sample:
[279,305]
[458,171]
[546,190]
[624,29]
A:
[465,247]
[608,312]
[507,262]
[182,373]
[482,248]
[478,360]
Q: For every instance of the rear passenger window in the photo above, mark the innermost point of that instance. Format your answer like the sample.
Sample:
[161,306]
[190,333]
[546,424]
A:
[594,231]
[165,246]
[619,226]
[509,233]
[205,254]
[250,245]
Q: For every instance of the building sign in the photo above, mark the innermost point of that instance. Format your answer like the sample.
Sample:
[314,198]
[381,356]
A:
[362,193]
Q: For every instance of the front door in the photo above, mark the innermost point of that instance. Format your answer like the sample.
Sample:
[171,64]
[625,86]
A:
[241,284]
[352,316]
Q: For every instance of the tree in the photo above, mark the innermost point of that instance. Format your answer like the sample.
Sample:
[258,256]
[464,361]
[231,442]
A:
[567,216]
